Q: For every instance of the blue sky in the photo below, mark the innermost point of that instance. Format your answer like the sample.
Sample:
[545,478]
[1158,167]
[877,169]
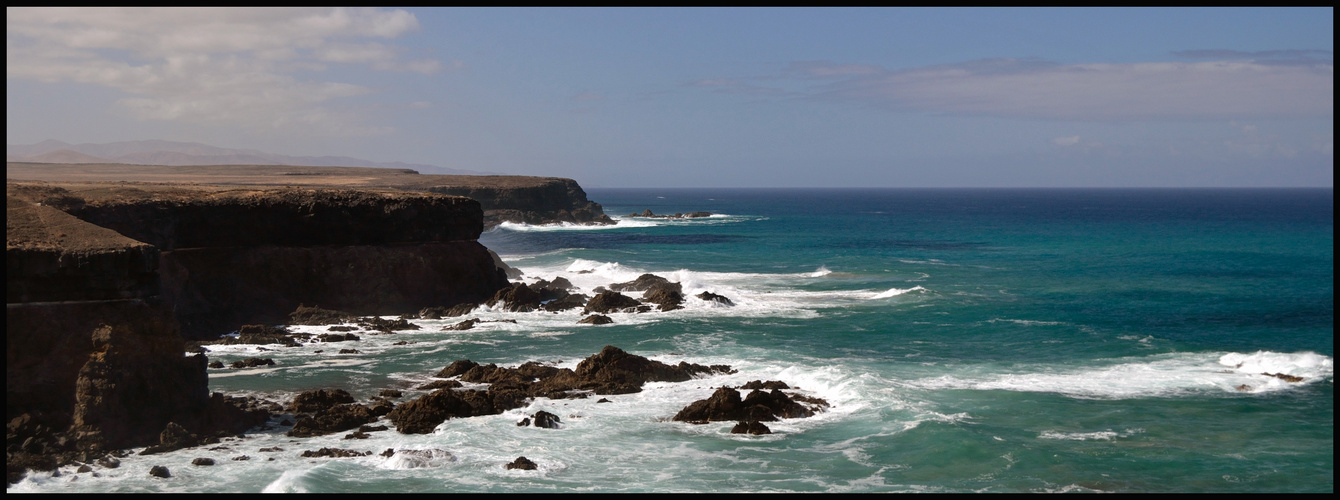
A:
[706,97]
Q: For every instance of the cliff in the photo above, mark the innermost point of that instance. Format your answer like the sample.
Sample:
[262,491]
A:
[504,198]
[105,279]
[231,256]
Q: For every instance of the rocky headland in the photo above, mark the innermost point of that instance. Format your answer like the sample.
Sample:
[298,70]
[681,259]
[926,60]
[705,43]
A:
[111,268]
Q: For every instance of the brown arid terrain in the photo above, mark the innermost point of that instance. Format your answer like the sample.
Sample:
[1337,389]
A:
[514,198]
[111,268]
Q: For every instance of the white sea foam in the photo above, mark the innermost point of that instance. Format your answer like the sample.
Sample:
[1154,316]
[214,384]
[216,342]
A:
[418,458]
[570,226]
[822,271]
[1307,365]
[1106,435]
[1167,375]
[1025,322]
[894,292]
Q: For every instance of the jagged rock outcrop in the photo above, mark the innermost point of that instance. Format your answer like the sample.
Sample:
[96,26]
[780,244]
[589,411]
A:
[646,282]
[610,301]
[712,297]
[725,404]
[611,371]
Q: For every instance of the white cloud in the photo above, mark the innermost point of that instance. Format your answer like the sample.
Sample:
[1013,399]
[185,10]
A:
[235,66]
[1031,88]
[1138,91]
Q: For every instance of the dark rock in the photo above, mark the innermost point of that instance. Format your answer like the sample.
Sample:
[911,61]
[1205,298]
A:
[382,408]
[203,461]
[386,325]
[342,328]
[333,419]
[751,427]
[216,364]
[462,326]
[174,437]
[317,316]
[253,362]
[1285,377]
[371,428]
[422,415]
[83,469]
[334,453]
[357,435]
[712,297]
[525,422]
[336,337]
[613,371]
[521,463]
[559,283]
[603,400]
[109,462]
[567,302]
[349,351]
[457,367]
[665,298]
[517,298]
[724,404]
[391,393]
[610,301]
[241,458]
[596,319]
[159,471]
[778,403]
[320,399]
[644,283]
[512,273]
[440,384]
[546,420]
[769,385]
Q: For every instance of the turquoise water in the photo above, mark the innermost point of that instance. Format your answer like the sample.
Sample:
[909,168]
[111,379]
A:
[969,340]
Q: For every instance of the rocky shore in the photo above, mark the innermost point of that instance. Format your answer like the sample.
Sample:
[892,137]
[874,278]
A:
[111,268]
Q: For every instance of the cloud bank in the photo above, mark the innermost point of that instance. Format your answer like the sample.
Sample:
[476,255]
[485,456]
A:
[1297,85]
[249,67]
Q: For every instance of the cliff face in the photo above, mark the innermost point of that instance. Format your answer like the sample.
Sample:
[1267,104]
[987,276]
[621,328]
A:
[229,257]
[67,368]
[98,304]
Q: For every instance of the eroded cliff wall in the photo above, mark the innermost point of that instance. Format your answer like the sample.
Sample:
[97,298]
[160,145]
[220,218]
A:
[234,256]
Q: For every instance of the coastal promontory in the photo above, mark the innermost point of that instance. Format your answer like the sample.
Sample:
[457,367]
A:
[111,268]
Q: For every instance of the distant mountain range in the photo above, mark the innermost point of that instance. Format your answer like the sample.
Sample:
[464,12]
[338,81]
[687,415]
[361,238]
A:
[191,153]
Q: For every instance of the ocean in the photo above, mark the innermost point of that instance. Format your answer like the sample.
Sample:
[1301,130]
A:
[994,340]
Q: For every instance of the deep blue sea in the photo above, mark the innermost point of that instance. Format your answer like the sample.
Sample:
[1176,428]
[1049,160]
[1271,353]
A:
[1006,340]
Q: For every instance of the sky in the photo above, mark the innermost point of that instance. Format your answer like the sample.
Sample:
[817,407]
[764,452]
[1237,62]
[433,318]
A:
[706,97]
